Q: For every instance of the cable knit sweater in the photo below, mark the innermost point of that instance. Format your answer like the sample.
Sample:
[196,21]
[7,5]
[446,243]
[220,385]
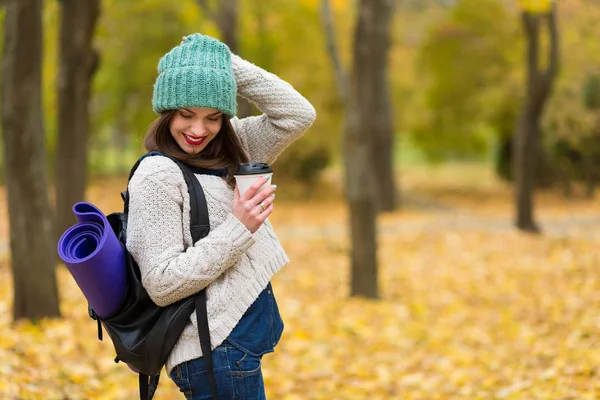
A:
[235,264]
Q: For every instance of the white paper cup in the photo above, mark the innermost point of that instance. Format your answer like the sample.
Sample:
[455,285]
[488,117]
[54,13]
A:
[245,181]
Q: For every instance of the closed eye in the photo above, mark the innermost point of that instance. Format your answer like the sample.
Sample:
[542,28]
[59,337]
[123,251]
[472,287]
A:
[214,117]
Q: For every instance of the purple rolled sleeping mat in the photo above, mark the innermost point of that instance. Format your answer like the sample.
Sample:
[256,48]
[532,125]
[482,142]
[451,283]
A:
[95,258]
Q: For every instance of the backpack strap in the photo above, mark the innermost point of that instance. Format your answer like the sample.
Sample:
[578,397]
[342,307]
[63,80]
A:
[148,385]
[199,228]
[204,335]
[199,222]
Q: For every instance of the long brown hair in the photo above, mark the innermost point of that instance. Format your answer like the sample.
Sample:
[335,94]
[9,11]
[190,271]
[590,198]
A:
[224,151]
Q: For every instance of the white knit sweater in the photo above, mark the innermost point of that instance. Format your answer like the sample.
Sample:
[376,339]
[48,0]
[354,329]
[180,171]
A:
[235,264]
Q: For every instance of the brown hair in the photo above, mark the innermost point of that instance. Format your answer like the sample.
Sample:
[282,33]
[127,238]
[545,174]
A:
[224,151]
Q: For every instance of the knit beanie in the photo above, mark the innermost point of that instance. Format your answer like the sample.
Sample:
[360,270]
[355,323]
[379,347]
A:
[196,73]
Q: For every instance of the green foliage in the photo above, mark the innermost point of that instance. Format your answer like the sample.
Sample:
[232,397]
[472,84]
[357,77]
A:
[591,92]
[131,38]
[467,63]
[456,73]
[572,114]
[304,161]
[290,44]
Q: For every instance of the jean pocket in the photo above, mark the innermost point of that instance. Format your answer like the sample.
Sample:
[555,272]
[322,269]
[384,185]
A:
[243,364]
[179,376]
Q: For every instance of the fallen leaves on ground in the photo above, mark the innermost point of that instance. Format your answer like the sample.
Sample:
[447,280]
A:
[467,311]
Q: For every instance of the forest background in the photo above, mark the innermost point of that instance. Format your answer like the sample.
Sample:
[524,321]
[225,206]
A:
[458,294]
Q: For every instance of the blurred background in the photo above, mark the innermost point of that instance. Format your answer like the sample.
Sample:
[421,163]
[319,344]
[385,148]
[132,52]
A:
[440,214]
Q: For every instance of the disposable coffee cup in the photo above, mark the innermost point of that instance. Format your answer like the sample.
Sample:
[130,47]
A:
[248,172]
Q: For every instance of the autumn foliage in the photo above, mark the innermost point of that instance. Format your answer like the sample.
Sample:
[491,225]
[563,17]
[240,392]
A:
[470,308]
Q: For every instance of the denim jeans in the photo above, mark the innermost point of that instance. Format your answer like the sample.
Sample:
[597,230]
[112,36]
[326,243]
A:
[238,376]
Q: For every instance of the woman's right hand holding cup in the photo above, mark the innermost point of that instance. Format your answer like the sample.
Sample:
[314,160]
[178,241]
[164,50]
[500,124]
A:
[254,206]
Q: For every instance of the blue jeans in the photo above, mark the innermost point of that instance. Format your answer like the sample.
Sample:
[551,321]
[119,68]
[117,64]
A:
[238,376]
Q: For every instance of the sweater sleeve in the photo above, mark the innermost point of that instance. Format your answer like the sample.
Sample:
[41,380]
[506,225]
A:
[286,113]
[170,270]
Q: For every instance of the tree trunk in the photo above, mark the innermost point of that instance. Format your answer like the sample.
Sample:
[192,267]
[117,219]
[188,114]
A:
[78,62]
[546,173]
[378,16]
[31,235]
[527,143]
[366,104]
[527,134]
[366,111]
[340,75]
[382,127]
[360,191]
[227,20]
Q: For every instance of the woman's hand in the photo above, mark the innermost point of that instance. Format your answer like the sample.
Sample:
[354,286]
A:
[253,208]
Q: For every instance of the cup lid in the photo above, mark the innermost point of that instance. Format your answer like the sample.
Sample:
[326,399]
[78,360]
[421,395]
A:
[253,168]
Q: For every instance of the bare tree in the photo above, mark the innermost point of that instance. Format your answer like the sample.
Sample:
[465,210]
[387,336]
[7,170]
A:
[340,74]
[31,235]
[381,131]
[366,109]
[527,134]
[225,16]
[78,62]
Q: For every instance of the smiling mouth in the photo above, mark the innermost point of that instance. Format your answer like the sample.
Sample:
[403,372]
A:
[194,141]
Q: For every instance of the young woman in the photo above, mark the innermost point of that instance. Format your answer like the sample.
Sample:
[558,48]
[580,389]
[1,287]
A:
[195,97]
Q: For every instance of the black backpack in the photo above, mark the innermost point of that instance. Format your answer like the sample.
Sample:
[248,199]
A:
[143,333]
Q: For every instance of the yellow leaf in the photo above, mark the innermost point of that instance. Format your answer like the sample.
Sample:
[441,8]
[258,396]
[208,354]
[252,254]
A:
[536,6]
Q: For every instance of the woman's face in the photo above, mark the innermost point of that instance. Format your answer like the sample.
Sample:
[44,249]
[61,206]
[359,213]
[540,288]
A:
[194,127]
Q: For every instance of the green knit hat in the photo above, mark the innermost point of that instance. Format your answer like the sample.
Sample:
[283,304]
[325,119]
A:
[196,73]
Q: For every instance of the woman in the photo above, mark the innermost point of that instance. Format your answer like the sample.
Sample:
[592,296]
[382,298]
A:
[195,96]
